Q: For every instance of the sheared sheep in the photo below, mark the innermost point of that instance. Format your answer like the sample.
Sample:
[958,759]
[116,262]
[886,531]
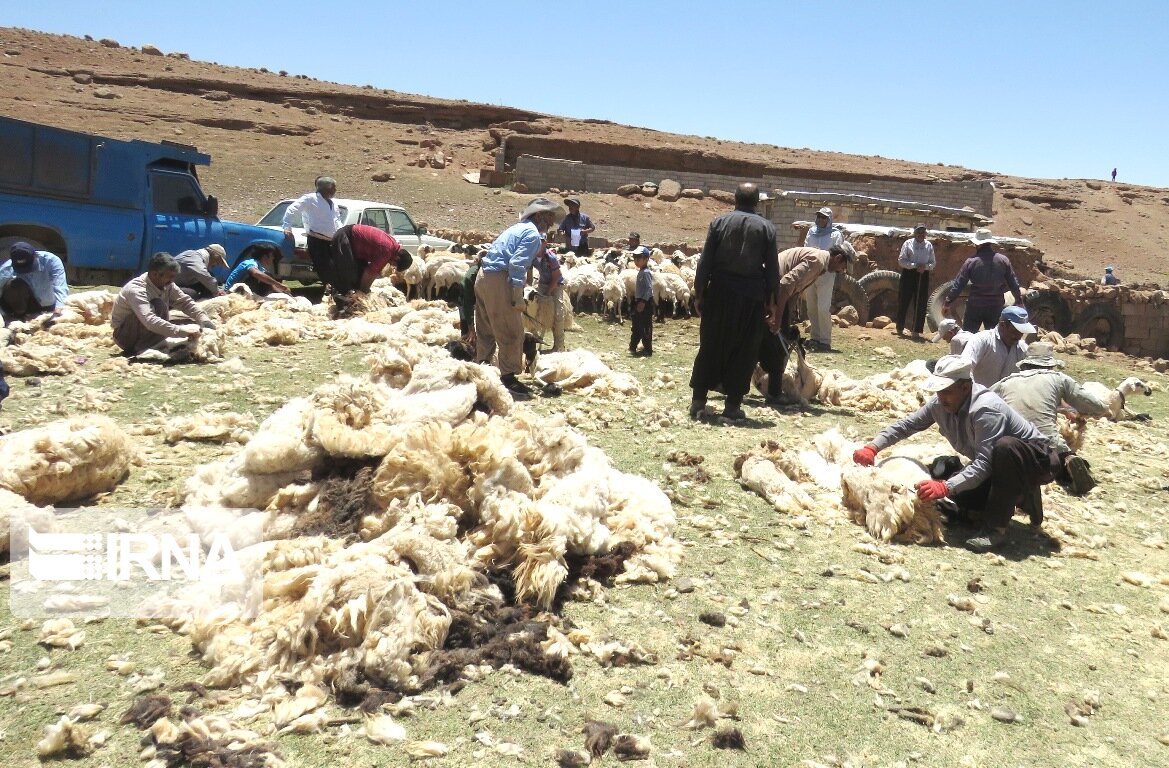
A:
[1116,399]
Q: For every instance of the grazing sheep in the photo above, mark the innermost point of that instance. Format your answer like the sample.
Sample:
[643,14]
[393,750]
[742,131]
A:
[1116,399]
[582,283]
[613,292]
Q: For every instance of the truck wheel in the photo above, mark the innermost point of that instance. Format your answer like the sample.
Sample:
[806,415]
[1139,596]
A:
[933,313]
[846,290]
[882,289]
[1102,322]
[1049,311]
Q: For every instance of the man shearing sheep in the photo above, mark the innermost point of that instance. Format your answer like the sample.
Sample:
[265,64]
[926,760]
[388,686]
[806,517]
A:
[141,314]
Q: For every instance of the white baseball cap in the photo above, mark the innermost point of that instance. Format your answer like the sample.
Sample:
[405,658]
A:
[944,327]
[947,371]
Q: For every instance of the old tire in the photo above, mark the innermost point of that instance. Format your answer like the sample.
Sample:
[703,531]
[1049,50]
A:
[933,312]
[1049,311]
[847,290]
[882,288]
[1102,322]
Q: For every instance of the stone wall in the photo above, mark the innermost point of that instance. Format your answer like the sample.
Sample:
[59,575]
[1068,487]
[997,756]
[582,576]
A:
[539,174]
[1133,319]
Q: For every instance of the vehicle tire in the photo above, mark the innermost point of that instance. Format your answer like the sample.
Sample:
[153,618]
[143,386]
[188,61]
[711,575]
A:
[882,288]
[1102,322]
[846,290]
[1049,311]
[933,312]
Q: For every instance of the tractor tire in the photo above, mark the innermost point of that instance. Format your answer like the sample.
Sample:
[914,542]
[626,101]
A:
[1102,322]
[1049,311]
[882,288]
[933,312]
[847,290]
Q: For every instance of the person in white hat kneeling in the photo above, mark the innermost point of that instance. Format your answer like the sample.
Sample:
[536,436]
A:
[1009,457]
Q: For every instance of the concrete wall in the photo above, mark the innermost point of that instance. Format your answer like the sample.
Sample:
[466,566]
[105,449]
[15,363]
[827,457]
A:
[540,174]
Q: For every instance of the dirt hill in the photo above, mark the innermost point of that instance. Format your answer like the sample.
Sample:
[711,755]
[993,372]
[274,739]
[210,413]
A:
[269,134]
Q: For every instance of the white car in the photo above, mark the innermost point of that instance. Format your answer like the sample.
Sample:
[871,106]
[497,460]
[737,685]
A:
[388,218]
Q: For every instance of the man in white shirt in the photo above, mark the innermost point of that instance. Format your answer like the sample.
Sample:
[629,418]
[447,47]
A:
[916,261]
[320,218]
[819,297]
[994,353]
[950,331]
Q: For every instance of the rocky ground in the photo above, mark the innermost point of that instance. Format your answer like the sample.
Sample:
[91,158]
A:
[269,134]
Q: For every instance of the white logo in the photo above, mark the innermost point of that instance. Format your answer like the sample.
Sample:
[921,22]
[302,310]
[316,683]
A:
[122,556]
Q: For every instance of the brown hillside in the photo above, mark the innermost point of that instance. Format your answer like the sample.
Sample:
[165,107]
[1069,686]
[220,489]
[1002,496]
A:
[269,135]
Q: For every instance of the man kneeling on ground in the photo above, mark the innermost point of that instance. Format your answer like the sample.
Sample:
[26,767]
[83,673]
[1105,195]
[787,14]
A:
[360,253]
[256,272]
[1009,457]
[141,314]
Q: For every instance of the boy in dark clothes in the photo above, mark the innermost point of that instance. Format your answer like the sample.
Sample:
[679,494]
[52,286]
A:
[643,308]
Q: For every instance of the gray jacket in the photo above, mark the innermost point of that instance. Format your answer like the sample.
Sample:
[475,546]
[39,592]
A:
[1037,394]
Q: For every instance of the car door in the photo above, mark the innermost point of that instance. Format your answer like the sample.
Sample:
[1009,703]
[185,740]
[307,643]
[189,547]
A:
[404,231]
[177,220]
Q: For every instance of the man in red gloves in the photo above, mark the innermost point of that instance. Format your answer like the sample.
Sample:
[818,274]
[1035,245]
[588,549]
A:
[1009,457]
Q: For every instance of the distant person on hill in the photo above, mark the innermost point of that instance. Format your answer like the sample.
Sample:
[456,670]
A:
[32,282]
[194,278]
[1109,278]
[1114,174]
[576,227]
[735,286]
[916,261]
[819,299]
[990,275]
[319,217]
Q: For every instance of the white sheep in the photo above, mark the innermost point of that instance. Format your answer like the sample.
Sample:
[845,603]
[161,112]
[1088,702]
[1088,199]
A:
[584,282]
[613,292]
[1116,399]
[448,274]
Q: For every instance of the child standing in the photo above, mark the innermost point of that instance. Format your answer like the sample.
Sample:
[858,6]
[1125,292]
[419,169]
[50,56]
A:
[643,307]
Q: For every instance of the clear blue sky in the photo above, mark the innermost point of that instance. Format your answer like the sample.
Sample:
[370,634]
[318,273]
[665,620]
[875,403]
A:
[1044,88]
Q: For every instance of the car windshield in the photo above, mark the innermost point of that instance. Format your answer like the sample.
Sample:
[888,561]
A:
[275,217]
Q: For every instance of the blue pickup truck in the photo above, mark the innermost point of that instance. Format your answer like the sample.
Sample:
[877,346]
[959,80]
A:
[105,206]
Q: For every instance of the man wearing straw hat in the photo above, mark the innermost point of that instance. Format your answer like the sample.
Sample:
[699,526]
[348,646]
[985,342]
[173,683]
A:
[990,275]
[1009,457]
[499,291]
[1038,391]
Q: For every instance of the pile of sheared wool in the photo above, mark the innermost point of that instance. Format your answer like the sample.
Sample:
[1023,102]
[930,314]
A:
[822,477]
[15,515]
[65,460]
[88,307]
[208,427]
[580,369]
[897,391]
[36,359]
[429,479]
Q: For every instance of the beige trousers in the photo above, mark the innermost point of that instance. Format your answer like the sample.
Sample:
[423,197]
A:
[497,323]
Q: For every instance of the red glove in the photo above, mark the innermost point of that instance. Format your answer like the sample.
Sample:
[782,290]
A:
[932,490]
[865,456]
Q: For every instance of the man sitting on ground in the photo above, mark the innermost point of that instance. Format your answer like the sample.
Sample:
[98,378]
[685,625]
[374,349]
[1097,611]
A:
[194,278]
[1037,392]
[1009,457]
[141,314]
[254,272]
[32,283]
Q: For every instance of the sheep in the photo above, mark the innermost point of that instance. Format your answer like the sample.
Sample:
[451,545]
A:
[613,293]
[1115,399]
[671,294]
[66,460]
[584,282]
[414,274]
[433,262]
[883,500]
[448,274]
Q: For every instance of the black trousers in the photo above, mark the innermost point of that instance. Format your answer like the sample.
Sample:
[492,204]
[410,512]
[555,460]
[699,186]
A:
[321,253]
[773,359]
[1016,466]
[979,315]
[729,334]
[913,289]
[642,322]
[198,291]
[18,302]
[346,267]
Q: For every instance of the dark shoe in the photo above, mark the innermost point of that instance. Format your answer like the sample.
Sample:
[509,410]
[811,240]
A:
[1080,474]
[697,409]
[649,353]
[514,385]
[1032,504]
[733,415]
[987,540]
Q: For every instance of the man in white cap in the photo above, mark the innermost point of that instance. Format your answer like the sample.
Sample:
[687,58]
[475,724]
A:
[1009,457]
[320,218]
[821,235]
[950,331]
[194,278]
[990,275]
[994,353]
[499,291]
[1038,391]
